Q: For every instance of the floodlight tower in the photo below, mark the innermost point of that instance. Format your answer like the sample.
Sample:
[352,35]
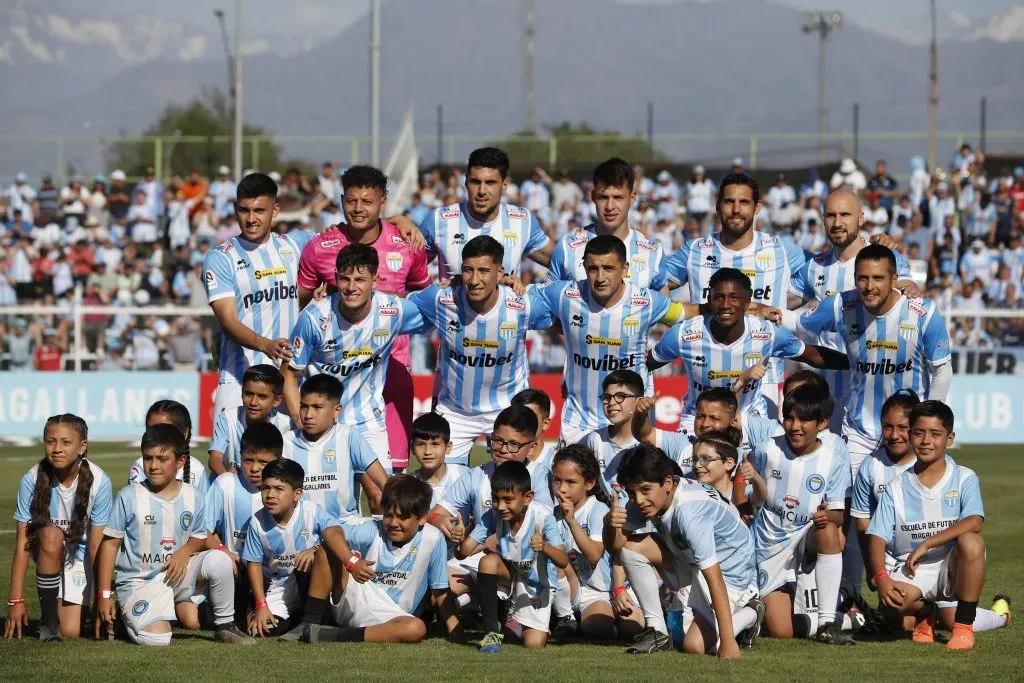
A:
[822,23]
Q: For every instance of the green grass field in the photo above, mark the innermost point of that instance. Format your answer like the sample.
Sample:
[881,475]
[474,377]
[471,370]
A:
[194,655]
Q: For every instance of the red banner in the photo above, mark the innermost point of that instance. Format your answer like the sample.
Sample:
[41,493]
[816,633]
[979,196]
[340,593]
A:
[668,409]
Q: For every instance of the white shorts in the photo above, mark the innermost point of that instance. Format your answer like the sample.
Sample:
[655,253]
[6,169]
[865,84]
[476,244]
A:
[365,604]
[284,599]
[228,397]
[782,568]
[700,600]
[155,600]
[859,447]
[586,597]
[75,582]
[932,578]
[805,592]
[378,440]
[772,394]
[530,611]
[464,431]
[471,567]
[569,434]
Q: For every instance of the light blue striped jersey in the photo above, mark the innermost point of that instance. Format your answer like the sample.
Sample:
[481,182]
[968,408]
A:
[679,447]
[356,353]
[771,264]
[753,430]
[796,486]
[447,229]
[481,359]
[538,574]
[887,353]
[470,496]
[151,529]
[540,475]
[874,473]
[262,280]
[333,464]
[196,474]
[908,512]
[702,521]
[601,340]
[646,258]
[275,546]
[709,363]
[230,504]
[62,503]
[228,428]
[405,573]
[590,517]
[452,474]
[609,454]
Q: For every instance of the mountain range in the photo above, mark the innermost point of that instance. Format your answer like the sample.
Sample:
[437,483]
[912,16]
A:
[726,67]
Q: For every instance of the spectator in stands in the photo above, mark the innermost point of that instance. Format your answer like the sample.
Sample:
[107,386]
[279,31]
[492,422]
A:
[565,191]
[813,239]
[22,269]
[17,225]
[20,346]
[642,185]
[141,222]
[97,210]
[223,192]
[194,191]
[814,187]
[154,190]
[535,195]
[184,345]
[82,259]
[977,264]
[700,195]
[885,186]
[780,195]
[876,218]
[903,210]
[737,166]
[848,176]
[48,356]
[8,294]
[48,202]
[113,356]
[22,197]
[119,199]
[328,182]
[74,203]
[917,234]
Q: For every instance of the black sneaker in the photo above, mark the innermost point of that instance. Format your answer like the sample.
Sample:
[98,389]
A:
[232,635]
[648,641]
[565,627]
[832,634]
[748,636]
[294,635]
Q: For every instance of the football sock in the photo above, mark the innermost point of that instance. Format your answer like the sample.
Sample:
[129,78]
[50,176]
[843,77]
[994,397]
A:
[340,635]
[563,598]
[853,563]
[828,573]
[966,612]
[644,580]
[743,619]
[487,588]
[987,620]
[48,587]
[314,611]
[215,567]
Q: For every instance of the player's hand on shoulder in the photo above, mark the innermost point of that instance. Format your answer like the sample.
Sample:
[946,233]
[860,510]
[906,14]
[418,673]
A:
[514,283]
[278,349]
[772,313]
[885,241]
[409,232]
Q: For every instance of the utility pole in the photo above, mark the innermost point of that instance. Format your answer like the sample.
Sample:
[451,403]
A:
[236,136]
[528,67]
[822,23]
[375,82]
[933,91]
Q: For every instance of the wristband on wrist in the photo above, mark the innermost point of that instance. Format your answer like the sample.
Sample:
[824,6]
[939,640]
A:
[11,602]
[618,590]
[104,595]
[222,547]
[351,562]
[433,517]
[881,576]
[260,604]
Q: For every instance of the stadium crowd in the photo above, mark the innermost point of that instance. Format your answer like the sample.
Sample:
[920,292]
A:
[112,243]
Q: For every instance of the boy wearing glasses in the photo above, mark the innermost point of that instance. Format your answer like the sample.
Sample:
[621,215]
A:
[620,392]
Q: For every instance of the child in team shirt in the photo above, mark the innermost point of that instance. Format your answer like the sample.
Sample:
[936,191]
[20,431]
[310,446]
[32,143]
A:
[167,411]
[430,445]
[262,393]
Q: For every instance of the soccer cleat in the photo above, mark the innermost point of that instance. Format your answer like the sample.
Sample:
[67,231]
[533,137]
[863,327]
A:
[648,641]
[295,634]
[924,629]
[857,619]
[491,643]
[565,627]
[962,637]
[833,634]
[1001,606]
[232,635]
[748,636]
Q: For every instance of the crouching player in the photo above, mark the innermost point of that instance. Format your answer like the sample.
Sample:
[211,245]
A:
[156,533]
[800,482]
[925,536]
[695,523]
[529,552]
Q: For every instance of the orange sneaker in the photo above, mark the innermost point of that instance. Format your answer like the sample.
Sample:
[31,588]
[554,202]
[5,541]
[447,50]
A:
[924,629]
[962,637]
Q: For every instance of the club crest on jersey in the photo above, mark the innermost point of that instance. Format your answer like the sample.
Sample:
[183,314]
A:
[381,336]
[330,456]
[78,578]
[630,326]
[304,534]
[815,483]
[139,607]
[752,359]
[330,243]
[791,502]
[511,239]
[688,337]
[951,498]
[388,310]
[167,544]
[394,261]
[287,254]
[517,214]
[186,519]
[297,343]
[508,331]
[762,578]
[638,262]
[908,331]
[578,242]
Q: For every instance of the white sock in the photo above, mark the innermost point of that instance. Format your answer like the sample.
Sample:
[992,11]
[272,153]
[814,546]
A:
[847,623]
[563,598]
[464,600]
[828,573]
[644,580]
[215,568]
[987,620]
[743,619]
[853,562]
